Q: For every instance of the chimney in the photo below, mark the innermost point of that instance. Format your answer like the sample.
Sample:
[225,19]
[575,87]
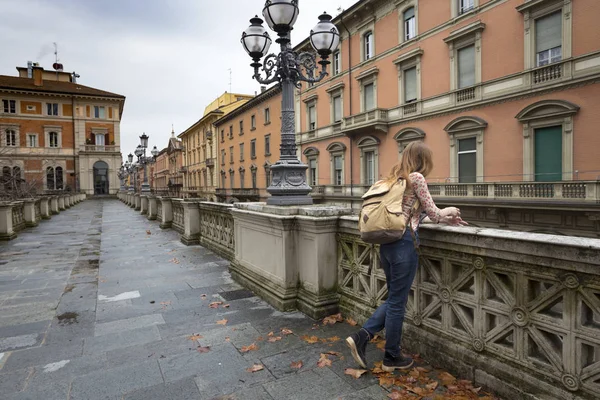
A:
[29,69]
[37,75]
[262,89]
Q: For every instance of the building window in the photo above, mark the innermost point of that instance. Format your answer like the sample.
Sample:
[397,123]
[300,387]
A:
[32,140]
[337,108]
[338,170]
[465,6]
[99,112]
[241,127]
[222,156]
[267,145]
[406,136]
[312,172]
[222,135]
[242,177]
[548,39]
[11,138]
[410,85]
[336,65]
[466,67]
[231,179]
[369,170]
[223,178]
[53,139]
[9,106]
[368,45]
[253,172]
[54,178]
[253,149]
[267,174]
[241,151]
[267,116]
[230,131]
[312,117]
[252,122]
[369,96]
[231,154]
[52,108]
[410,27]
[100,139]
[369,161]
[465,59]
[467,160]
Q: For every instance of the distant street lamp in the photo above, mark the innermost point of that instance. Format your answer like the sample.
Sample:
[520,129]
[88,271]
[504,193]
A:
[140,153]
[288,185]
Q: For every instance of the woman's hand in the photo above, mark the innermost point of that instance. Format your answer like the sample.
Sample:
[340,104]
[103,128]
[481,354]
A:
[455,221]
[452,212]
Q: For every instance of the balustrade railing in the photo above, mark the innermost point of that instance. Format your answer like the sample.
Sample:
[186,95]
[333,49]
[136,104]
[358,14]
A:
[97,148]
[546,74]
[178,223]
[18,216]
[216,228]
[465,95]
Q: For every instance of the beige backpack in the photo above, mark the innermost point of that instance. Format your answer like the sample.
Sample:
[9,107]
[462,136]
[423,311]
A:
[381,220]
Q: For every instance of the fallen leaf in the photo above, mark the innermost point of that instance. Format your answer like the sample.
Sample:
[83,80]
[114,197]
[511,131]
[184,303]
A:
[227,339]
[274,339]
[417,390]
[334,353]
[396,395]
[414,373]
[148,233]
[324,361]
[195,337]
[334,339]
[351,321]
[246,349]
[355,373]
[225,305]
[286,331]
[475,390]
[215,304]
[446,378]
[332,319]
[203,296]
[432,386]
[203,349]
[174,260]
[310,340]
[270,334]
[222,322]
[255,368]
[259,339]
[381,345]
[296,364]
[387,380]
[422,369]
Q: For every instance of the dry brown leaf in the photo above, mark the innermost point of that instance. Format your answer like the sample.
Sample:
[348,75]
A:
[381,345]
[351,321]
[215,304]
[222,322]
[423,370]
[195,337]
[334,353]
[225,305]
[274,339]
[227,339]
[148,233]
[432,386]
[246,349]
[355,373]
[324,361]
[286,331]
[386,380]
[310,340]
[377,371]
[332,319]
[414,373]
[259,339]
[201,349]
[203,296]
[396,395]
[333,339]
[446,378]
[270,334]
[296,364]
[255,368]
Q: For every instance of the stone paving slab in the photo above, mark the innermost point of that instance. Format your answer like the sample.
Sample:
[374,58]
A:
[85,317]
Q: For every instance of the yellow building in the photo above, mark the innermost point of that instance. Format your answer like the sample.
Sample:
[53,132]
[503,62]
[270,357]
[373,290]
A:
[200,176]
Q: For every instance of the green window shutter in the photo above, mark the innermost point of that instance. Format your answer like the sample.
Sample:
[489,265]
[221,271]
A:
[548,154]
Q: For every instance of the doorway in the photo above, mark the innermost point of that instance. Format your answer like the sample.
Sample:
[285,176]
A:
[101,178]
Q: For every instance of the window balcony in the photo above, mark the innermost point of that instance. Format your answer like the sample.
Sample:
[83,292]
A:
[210,162]
[367,121]
[98,148]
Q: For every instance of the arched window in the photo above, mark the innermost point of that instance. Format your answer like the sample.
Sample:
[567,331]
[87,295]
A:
[50,178]
[16,177]
[58,177]
[6,178]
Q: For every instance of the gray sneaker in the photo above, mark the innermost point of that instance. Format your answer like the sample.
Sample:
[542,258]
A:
[358,345]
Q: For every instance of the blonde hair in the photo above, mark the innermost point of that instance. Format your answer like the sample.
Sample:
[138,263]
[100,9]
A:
[416,157]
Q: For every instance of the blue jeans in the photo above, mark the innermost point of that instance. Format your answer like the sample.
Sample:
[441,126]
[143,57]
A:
[399,261]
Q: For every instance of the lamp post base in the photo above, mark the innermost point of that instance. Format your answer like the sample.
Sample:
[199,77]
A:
[288,186]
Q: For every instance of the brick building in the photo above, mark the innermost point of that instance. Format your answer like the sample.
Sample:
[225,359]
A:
[58,134]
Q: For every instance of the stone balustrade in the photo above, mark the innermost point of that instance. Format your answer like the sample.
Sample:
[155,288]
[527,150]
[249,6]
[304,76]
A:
[27,213]
[517,312]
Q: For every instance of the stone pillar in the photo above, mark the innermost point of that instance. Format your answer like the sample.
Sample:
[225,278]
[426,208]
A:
[152,207]
[300,271]
[143,204]
[132,200]
[54,205]
[6,223]
[61,203]
[45,207]
[138,202]
[167,212]
[29,213]
[69,201]
[191,223]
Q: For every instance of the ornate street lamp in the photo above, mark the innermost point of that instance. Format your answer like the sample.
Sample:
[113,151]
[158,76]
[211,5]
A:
[140,153]
[288,68]
[130,158]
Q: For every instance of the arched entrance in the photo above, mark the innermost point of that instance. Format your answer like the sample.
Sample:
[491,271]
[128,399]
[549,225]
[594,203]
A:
[100,178]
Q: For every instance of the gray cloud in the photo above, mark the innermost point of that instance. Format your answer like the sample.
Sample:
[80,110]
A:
[169,57]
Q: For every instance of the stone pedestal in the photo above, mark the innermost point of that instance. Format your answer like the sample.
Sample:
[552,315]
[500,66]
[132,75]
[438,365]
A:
[69,201]
[45,207]
[166,212]
[54,205]
[144,204]
[29,213]
[61,203]
[191,223]
[287,255]
[6,224]
[138,202]
[152,208]
[66,201]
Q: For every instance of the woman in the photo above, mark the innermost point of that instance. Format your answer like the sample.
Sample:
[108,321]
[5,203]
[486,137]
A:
[399,259]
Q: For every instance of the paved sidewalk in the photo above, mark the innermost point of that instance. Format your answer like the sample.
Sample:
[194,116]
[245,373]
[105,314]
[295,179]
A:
[99,303]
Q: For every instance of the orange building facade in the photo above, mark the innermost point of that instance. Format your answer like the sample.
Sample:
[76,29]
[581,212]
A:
[248,144]
[501,90]
[58,134]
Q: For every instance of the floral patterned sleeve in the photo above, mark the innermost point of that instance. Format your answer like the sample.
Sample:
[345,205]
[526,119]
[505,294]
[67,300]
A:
[422,192]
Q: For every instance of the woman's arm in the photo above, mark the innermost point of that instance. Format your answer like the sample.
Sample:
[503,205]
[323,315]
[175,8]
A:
[422,192]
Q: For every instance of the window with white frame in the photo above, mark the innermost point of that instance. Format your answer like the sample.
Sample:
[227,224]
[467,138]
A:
[267,145]
[253,149]
[337,108]
[336,152]
[467,160]
[99,112]
[312,117]
[51,108]
[466,66]
[9,106]
[253,172]
[410,84]
[231,154]
[465,6]
[241,127]
[369,96]
[312,159]
[100,139]
[267,167]
[10,138]
[53,139]
[242,177]
[466,148]
[241,151]
[253,122]
[369,170]
[410,26]
[548,39]
[368,89]
[465,55]
[54,178]
[267,115]
[368,44]
[336,64]
[406,136]
[32,140]
[223,178]
[231,178]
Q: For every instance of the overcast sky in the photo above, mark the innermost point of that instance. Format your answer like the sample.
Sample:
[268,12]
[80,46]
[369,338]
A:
[170,58]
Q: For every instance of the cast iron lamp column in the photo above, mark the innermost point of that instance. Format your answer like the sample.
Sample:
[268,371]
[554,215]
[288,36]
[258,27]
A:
[288,183]
[140,152]
[129,166]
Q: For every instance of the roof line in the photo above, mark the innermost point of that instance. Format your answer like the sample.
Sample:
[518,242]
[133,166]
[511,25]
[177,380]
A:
[272,91]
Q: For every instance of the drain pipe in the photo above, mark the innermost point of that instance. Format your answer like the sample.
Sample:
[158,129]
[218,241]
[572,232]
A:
[350,97]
